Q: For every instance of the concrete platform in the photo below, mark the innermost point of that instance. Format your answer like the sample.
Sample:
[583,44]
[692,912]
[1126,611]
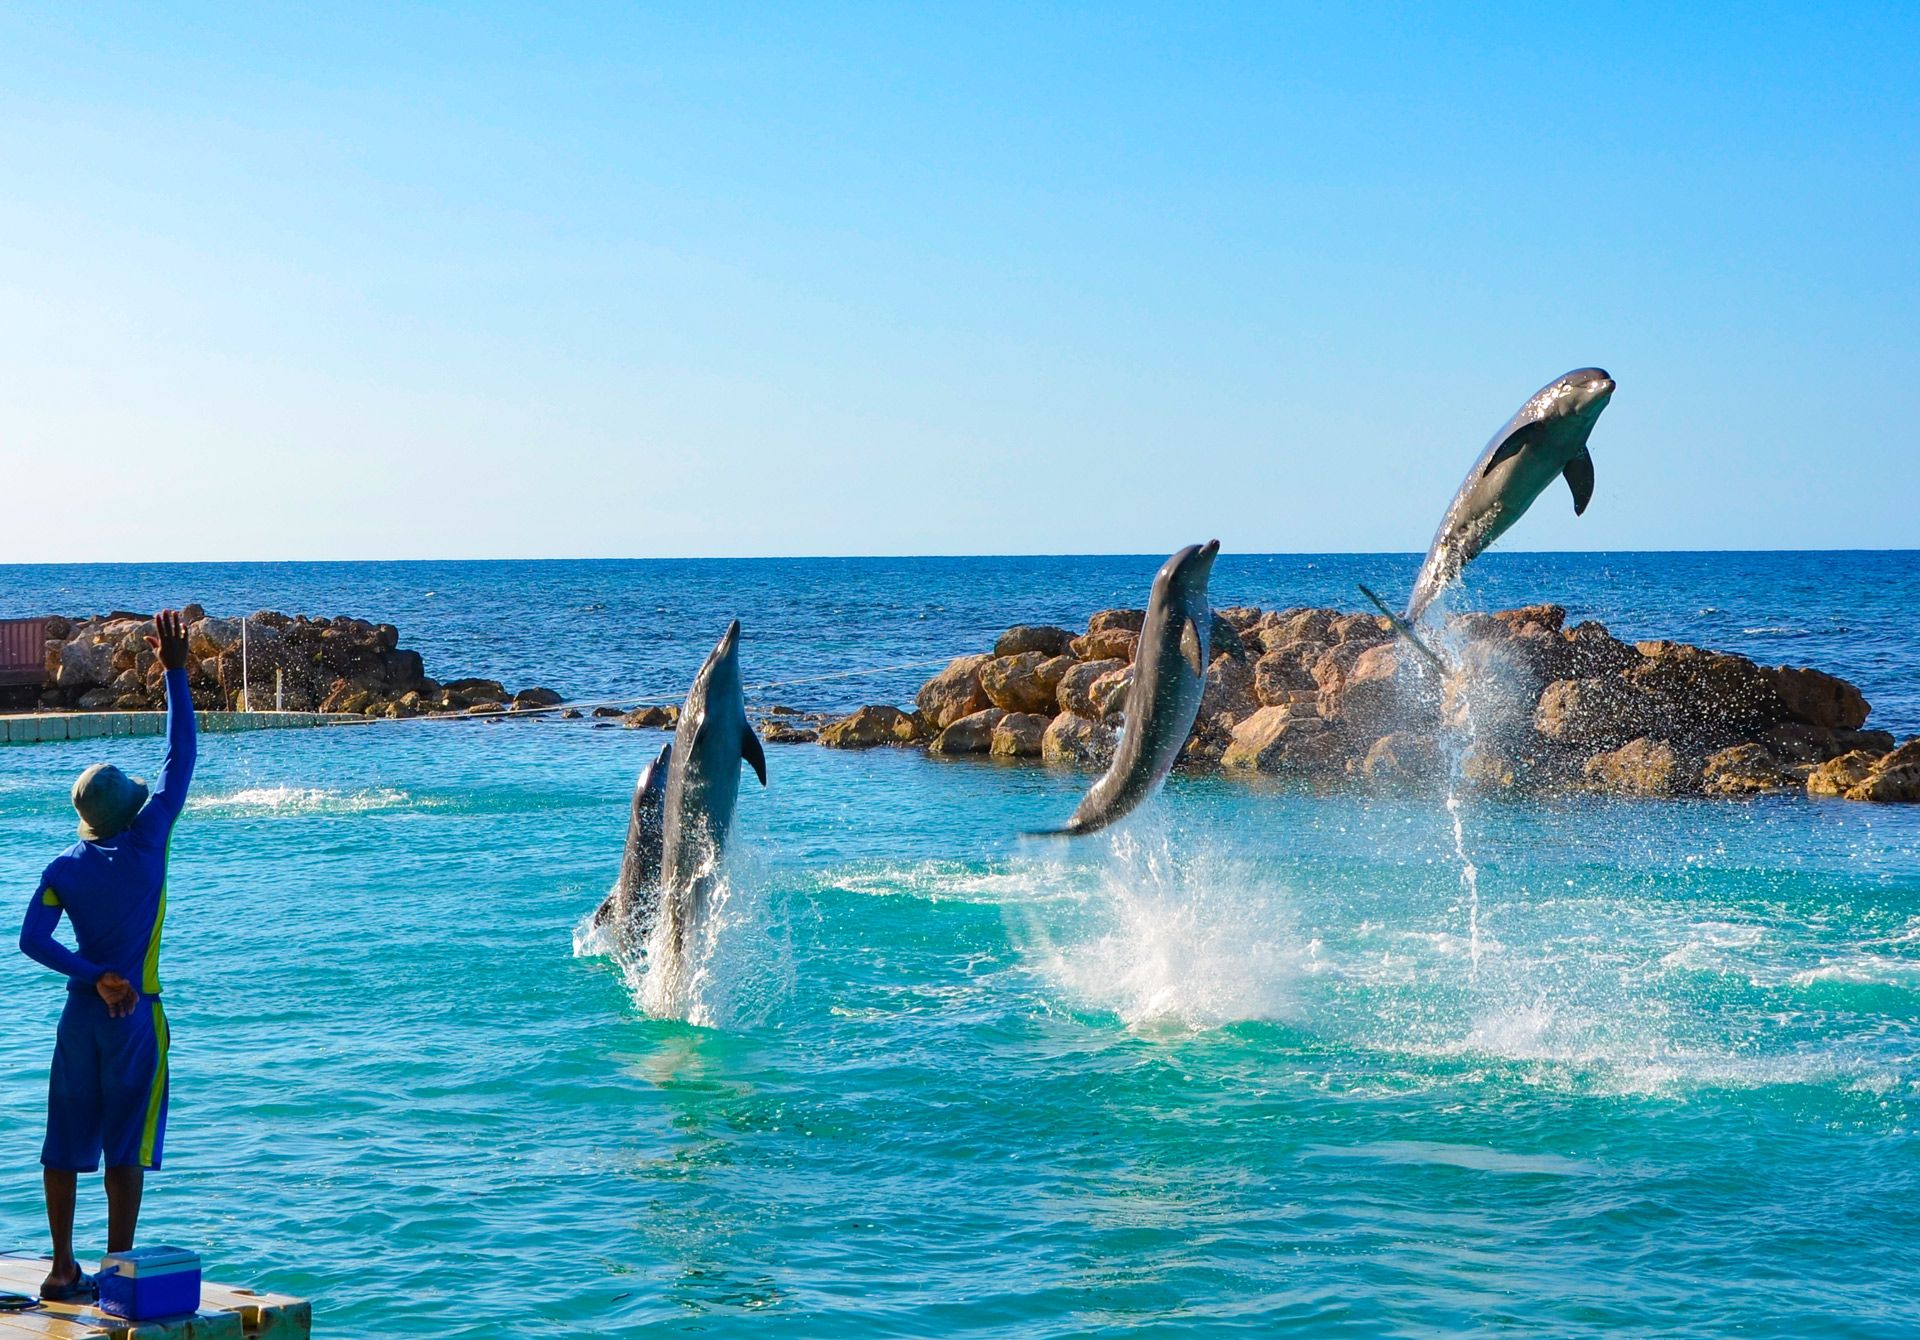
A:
[43,727]
[226,1313]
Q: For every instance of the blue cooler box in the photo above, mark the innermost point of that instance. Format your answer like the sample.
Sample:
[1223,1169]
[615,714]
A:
[150,1282]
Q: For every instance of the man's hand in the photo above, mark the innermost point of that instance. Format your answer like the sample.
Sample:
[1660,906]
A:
[172,642]
[116,990]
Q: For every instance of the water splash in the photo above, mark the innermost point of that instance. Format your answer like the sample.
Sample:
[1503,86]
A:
[301,800]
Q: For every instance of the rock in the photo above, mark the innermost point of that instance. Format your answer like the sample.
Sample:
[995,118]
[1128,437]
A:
[1365,629]
[1370,698]
[605,712]
[1278,675]
[953,693]
[971,734]
[1027,682]
[571,714]
[1894,778]
[1109,692]
[1223,639]
[1106,644]
[1593,651]
[1241,618]
[1227,689]
[95,700]
[1077,742]
[1018,735]
[1285,628]
[1043,638]
[527,699]
[1591,712]
[1643,767]
[870,726]
[209,637]
[1271,741]
[1817,698]
[1705,694]
[1744,770]
[1549,617]
[1837,776]
[1131,621]
[474,690]
[1075,693]
[85,662]
[777,731]
[1330,671]
[1798,742]
[1402,755]
[657,718]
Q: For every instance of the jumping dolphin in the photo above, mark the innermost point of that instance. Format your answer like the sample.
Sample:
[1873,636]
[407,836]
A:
[703,783]
[1547,437]
[1169,672]
[635,899]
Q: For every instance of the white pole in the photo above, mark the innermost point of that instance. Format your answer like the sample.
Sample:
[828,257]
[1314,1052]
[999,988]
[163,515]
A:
[243,663]
[279,690]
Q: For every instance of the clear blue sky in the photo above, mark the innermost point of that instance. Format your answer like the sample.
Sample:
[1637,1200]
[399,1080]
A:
[340,282]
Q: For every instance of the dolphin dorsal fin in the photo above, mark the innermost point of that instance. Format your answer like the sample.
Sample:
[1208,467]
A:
[753,752]
[1579,473]
[1190,649]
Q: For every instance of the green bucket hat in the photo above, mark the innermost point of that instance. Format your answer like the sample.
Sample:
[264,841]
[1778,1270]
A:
[107,800]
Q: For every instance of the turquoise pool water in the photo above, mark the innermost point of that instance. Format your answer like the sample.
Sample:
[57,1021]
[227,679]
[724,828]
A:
[1264,1061]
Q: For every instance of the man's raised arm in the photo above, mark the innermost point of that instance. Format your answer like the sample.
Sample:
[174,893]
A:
[176,771]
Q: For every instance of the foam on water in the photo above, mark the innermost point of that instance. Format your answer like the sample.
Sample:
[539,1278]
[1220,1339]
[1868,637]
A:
[301,800]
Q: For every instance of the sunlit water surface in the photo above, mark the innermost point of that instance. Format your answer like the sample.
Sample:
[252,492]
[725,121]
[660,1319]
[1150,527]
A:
[1252,1064]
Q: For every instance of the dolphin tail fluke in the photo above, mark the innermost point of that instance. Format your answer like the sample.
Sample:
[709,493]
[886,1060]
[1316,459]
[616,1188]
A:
[1405,629]
[604,913]
[754,753]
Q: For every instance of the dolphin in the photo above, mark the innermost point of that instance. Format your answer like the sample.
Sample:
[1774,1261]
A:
[1169,672]
[636,894]
[1548,437]
[703,783]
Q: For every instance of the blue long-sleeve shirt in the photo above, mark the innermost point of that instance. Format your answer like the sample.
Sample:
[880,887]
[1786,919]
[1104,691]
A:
[115,892]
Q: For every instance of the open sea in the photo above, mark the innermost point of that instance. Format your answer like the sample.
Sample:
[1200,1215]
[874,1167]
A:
[1265,1060]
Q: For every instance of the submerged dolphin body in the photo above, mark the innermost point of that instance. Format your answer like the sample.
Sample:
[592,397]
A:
[703,784]
[1169,672]
[1548,437]
[635,899]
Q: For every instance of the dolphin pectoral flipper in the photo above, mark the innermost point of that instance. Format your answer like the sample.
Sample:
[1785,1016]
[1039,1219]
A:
[1579,473]
[754,753]
[1190,646]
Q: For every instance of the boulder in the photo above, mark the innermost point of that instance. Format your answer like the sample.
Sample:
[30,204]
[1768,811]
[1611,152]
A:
[1798,742]
[1593,651]
[1549,617]
[971,734]
[1227,689]
[779,731]
[1223,639]
[1895,778]
[1043,638]
[1837,776]
[85,662]
[1077,742]
[1107,644]
[1026,682]
[1817,698]
[1271,741]
[1745,770]
[1330,670]
[1241,618]
[528,699]
[1109,692]
[1131,621]
[1643,767]
[1284,628]
[1278,675]
[1591,712]
[1075,693]
[657,718]
[870,726]
[1705,695]
[1401,756]
[473,690]
[1370,699]
[1365,629]
[1018,735]
[953,693]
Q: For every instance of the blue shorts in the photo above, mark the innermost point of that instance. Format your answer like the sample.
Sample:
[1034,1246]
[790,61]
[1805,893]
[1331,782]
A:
[107,1092]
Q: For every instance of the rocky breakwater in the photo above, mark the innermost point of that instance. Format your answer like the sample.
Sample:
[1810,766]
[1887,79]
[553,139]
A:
[1526,704]
[340,664]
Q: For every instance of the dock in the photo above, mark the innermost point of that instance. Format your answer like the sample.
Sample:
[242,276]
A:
[226,1313]
[45,727]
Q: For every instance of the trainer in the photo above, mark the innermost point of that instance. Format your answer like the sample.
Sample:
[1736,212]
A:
[107,1092]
